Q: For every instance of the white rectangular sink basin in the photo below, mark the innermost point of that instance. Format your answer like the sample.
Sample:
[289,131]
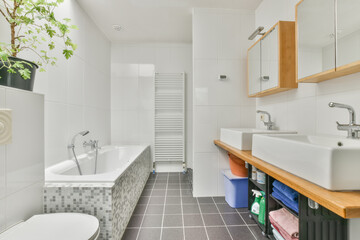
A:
[241,138]
[330,162]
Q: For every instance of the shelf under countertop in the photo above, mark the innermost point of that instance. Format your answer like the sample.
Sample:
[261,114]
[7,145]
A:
[344,204]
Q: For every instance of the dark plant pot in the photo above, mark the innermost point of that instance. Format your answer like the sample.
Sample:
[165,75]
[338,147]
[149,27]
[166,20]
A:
[14,79]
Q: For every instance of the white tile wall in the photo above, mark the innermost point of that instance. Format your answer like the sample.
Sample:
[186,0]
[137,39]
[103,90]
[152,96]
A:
[219,47]
[77,91]
[306,109]
[22,161]
[132,92]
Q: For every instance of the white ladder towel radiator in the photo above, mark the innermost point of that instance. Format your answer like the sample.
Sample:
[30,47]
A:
[169,118]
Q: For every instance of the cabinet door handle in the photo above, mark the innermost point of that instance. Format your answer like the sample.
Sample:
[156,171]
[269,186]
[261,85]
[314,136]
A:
[264,78]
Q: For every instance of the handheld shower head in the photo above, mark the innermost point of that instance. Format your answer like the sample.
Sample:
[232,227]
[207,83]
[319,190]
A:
[83,133]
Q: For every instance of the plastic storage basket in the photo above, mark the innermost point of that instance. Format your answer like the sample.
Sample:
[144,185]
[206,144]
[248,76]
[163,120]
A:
[236,190]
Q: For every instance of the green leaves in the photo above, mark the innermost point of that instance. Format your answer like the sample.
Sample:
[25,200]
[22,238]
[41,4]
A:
[36,28]
[67,53]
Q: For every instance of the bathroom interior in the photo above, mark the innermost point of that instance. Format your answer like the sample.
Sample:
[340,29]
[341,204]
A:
[173,119]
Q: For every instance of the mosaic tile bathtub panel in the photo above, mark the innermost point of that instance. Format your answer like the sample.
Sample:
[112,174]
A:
[112,205]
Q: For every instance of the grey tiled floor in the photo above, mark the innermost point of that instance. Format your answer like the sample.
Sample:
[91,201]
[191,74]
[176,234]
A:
[167,211]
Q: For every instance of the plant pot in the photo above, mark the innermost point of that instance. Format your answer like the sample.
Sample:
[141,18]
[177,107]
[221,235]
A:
[14,79]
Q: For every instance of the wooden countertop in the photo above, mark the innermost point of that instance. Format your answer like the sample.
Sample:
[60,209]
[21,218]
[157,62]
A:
[345,204]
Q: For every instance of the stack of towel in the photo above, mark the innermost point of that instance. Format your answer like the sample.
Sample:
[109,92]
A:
[286,195]
[285,225]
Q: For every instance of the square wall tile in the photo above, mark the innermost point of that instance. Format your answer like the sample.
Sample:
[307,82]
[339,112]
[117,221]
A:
[25,167]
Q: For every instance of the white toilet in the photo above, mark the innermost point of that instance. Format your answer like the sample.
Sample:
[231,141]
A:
[56,226]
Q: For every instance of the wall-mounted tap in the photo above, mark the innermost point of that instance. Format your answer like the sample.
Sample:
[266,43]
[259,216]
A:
[269,124]
[94,144]
[352,128]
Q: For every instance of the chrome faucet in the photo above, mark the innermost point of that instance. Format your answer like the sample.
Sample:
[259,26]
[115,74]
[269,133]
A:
[352,128]
[94,144]
[269,124]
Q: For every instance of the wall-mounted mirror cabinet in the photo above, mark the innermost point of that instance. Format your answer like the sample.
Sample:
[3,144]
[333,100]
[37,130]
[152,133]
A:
[271,61]
[328,39]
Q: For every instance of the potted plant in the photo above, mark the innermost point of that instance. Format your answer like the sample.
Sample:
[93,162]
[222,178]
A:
[33,27]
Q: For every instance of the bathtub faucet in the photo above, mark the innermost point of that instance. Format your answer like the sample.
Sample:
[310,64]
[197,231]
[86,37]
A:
[94,144]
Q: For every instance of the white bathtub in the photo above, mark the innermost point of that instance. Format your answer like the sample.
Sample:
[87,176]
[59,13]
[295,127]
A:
[111,164]
[110,195]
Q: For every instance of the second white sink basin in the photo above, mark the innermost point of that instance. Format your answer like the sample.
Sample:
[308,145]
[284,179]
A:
[241,138]
[330,162]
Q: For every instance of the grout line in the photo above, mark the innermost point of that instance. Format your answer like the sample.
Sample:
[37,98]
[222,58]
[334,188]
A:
[142,220]
[223,220]
[247,225]
[214,226]
[163,215]
[202,217]
[182,213]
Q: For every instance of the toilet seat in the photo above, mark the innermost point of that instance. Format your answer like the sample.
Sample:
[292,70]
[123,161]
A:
[56,226]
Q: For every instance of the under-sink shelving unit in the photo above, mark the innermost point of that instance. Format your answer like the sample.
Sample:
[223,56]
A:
[312,222]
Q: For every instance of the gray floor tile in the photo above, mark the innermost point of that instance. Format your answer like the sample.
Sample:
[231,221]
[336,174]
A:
[157,200]
[225,208]
[155,209]
[130,234]
[140,209]
[185,186]
[172,234]
[173,209]
[233,219]
[257,232]
[219,199]
[191,209]
[205,200]
[160,186]
[186,192]
[247,219]
[161,181]
[208,208]
[173,200]
[218,233]
[152,221]
[195,234]
[149,234]
[174,181]
[172,186]
[135,221]
[146,193]
[172,221]
[242,210]
[143,200]
[241,233]
[173,193]
[213,220]
[189,200]
[193,220]
[158,192]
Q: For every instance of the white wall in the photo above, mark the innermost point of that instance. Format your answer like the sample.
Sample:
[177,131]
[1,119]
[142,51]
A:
[132,92]
[22,160]
[77,92]
[219,47]
[306,109]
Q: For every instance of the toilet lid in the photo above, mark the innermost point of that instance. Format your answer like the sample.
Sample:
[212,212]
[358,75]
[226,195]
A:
[56,226]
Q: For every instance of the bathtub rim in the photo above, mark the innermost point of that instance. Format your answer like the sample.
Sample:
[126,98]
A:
[107,179]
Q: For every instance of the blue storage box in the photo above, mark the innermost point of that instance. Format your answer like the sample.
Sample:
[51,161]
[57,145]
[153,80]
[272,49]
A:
[236,190]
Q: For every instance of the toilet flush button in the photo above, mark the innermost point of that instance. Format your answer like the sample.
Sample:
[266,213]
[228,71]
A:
[5,126]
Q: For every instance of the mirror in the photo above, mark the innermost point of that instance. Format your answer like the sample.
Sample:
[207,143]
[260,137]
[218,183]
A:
[348,32]
[316,37]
